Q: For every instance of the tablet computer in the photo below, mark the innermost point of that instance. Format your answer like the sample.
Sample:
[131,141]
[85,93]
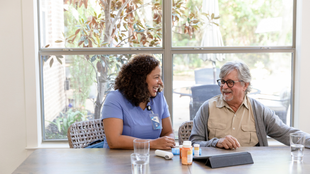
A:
[225,160]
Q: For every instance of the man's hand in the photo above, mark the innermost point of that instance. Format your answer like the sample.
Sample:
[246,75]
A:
[228,142]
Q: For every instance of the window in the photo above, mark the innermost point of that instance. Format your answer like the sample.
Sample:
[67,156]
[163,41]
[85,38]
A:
[97,24]
[70,88]
[194,82]
[84,43]
[232,23]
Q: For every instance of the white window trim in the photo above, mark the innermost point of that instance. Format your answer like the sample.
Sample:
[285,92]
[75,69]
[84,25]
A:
[31,73]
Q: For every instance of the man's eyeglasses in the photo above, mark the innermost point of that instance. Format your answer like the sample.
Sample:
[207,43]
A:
[230,83]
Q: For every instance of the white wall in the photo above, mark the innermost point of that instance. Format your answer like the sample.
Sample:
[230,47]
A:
[12,89]
[302,94]
[19,89]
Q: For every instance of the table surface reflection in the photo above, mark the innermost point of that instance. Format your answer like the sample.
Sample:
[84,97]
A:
[266,160]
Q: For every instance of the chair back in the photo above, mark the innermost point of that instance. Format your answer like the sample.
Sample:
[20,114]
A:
[80,134]
[200,94]
[185,131]
[285,98]
[206,75]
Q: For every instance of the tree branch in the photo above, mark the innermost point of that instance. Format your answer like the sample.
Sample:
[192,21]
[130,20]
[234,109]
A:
[137,9]
[177,32]
[104,3]
[94,69]
[123,40]
[107,31]
[119,12]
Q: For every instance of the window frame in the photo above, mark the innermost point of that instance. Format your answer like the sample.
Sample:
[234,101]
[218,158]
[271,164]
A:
[167,52]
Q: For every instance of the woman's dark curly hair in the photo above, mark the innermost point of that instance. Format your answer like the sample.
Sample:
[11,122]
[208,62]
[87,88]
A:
[131,80]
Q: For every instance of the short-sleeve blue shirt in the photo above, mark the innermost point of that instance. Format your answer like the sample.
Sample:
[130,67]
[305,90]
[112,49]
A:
[136,122]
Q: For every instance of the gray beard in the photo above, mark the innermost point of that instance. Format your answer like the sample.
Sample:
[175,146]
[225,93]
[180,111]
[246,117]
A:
[225,98]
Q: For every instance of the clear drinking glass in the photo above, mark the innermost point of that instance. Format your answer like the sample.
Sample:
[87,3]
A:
[141,146]
[297,143]
[139,163]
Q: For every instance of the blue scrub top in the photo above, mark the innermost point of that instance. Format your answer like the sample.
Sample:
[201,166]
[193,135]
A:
[136,122]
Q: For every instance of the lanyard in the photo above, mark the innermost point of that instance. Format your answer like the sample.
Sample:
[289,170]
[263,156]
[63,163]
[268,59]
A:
[148,107]
[155,119]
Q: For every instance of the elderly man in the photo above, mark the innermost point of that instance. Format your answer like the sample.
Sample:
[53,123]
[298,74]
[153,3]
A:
[233,119]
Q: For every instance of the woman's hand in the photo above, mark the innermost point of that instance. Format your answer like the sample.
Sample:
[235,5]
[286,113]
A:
[164,142]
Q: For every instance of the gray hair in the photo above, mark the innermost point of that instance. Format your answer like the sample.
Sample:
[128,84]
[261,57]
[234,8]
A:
[242,69]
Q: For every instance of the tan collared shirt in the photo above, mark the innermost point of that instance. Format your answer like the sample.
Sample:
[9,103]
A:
[224,121]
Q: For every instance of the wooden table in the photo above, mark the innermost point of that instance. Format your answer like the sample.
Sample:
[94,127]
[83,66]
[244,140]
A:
[266,160]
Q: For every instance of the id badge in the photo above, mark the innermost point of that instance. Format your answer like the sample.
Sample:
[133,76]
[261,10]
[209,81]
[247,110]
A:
[155,121]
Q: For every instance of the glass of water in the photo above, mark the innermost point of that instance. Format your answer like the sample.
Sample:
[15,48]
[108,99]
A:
[139,163]
[297,143]
[141,147]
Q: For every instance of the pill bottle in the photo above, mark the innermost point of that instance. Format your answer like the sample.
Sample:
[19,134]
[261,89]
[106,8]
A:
[187,153]
[196,149]
[180,146]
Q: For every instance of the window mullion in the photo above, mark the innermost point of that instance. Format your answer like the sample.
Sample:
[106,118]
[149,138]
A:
[112,51]
[167,57]
[231,51]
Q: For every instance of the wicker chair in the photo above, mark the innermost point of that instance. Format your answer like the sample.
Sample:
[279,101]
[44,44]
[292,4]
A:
[80,134]
[185,131]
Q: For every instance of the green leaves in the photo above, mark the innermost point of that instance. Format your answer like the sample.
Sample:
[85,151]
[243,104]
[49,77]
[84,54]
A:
[93,58]
[104,43]
[51,62]
[58,124]
[211,18]
[127,26]
[217,17]
[58,57]
[64,121]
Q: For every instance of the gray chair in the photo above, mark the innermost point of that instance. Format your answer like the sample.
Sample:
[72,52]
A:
[82,133]
[206,76]
[200,94]
[185,131]
[283,105]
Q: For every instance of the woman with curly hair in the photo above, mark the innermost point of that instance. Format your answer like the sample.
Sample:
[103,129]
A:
[137,108]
